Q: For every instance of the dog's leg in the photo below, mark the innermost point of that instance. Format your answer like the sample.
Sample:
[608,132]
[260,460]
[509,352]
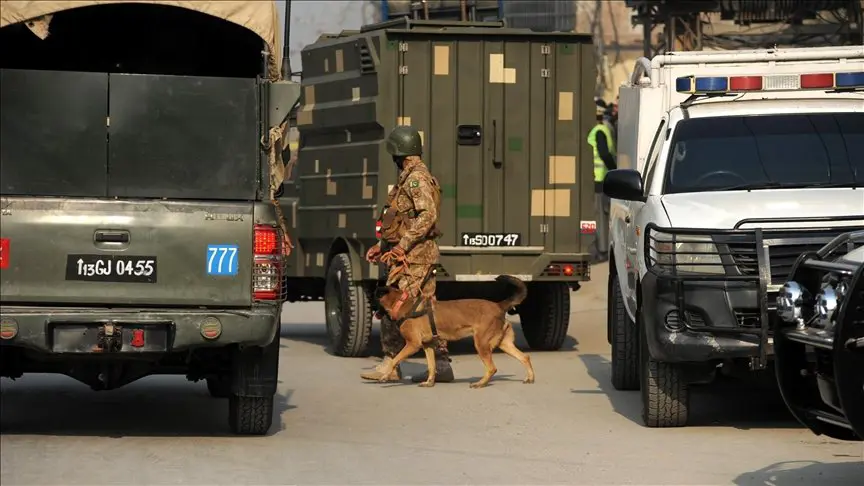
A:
[430,365]
[508,345]
[409,350]
[485,353]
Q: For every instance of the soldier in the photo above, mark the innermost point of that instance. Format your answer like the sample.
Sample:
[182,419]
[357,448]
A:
[408,247]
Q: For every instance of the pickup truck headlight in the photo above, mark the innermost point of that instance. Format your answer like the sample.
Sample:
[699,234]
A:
[826,305]
[688,254]
[789,301]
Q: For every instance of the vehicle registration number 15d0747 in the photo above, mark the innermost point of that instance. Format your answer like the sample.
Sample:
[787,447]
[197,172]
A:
[491,239]
[111,268]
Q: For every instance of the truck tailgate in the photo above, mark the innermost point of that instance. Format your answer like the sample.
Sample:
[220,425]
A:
[139,252]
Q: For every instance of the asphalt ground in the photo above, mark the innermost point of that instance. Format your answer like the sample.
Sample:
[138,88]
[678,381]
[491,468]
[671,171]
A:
[570,427]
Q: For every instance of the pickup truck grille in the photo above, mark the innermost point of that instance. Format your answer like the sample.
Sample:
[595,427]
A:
[782,254]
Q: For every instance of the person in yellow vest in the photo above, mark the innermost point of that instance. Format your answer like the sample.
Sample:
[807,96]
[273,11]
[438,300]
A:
[603,143]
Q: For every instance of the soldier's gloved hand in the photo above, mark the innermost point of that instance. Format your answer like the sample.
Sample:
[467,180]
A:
[373,254]
[397,254]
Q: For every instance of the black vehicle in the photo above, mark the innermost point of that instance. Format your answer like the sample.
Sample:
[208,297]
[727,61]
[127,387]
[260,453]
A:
[819,340]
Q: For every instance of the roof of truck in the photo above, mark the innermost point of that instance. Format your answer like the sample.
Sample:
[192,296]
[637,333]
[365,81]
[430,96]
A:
[261,17]
[775,106]
[407,26]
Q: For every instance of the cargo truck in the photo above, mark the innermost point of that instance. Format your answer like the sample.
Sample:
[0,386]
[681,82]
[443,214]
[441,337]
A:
[137,232]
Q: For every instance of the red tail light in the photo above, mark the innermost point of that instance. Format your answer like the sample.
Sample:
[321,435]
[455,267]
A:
[378,229]
[267,263]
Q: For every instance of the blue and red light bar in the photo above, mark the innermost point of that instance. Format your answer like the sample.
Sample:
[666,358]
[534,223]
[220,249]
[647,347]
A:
[773,82]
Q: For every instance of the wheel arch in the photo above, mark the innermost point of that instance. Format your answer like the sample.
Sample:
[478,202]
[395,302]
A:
[353,249]
[621,273]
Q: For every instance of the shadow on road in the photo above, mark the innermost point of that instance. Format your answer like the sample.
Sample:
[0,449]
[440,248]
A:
[317,334]
[743,404]
[805,473]
[169,406]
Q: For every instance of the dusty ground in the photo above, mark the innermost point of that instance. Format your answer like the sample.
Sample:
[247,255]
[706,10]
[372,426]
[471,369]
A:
[570,427]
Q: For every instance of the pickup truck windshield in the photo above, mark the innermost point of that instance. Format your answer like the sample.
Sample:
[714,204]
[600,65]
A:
[767,152]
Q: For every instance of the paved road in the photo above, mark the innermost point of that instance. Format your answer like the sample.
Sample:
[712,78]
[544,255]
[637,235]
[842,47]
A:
[570,427]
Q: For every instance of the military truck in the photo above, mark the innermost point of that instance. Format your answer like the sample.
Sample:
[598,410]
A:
[503,114]
[137,226]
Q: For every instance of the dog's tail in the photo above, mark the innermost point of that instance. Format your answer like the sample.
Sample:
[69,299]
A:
[517,297]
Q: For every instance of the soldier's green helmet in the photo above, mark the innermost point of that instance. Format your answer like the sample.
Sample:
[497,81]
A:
[404,141]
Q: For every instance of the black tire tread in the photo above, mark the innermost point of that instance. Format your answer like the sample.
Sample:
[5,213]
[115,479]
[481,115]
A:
[625,342]
[546,319]
[354,338]
[665,393]
[250,415]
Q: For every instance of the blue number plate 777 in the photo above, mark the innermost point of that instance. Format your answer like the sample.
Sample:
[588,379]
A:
[222,259]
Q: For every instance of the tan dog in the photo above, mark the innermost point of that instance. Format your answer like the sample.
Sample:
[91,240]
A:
[454,320]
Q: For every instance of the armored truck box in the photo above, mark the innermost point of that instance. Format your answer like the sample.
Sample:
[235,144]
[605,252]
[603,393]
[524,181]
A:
[503,114]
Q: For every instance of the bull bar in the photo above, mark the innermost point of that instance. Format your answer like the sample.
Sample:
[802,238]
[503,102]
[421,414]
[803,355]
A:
[735,258]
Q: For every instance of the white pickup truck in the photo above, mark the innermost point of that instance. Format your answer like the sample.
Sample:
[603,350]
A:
[731,164]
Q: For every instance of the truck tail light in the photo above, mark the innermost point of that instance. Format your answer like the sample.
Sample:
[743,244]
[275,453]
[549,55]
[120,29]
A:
[378,229]
[267,263]
[560,269]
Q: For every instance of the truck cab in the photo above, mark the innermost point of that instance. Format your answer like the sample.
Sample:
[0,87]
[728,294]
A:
[730,166]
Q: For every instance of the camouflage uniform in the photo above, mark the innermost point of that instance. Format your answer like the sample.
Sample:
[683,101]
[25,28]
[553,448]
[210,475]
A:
[412,228]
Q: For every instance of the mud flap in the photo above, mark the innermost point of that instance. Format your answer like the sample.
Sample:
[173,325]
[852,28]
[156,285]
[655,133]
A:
[255,370]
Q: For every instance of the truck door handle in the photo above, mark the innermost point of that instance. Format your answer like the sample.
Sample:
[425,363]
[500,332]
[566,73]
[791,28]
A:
[495,162]
[111,237]
[627,219]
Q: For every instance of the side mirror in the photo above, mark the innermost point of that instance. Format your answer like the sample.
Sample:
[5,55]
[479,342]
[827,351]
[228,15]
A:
[624,184]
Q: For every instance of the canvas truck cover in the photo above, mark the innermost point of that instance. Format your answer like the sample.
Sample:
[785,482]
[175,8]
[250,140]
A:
[146,175]
[261,17]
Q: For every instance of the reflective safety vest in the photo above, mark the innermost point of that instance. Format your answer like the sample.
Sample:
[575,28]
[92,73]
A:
[600,166]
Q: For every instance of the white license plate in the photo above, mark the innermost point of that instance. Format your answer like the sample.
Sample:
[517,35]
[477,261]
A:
[111,268]
[491,239]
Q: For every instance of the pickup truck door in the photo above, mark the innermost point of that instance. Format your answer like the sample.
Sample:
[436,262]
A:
[632,231]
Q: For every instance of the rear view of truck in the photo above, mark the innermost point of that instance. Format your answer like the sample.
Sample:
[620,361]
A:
[136,234]
[503,114]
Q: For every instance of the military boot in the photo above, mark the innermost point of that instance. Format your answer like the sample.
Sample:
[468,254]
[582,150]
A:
[443,371]
[378,373]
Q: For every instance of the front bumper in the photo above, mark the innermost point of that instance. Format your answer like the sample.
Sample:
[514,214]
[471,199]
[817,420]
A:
[721,320]
[53,329]
[825,392]
[699,317]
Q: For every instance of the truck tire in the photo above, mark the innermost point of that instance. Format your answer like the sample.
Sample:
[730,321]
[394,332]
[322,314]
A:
[545,315]
[250,415]
[625,341]
[219,386]
[348,315]
[253,387]
[665,394]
